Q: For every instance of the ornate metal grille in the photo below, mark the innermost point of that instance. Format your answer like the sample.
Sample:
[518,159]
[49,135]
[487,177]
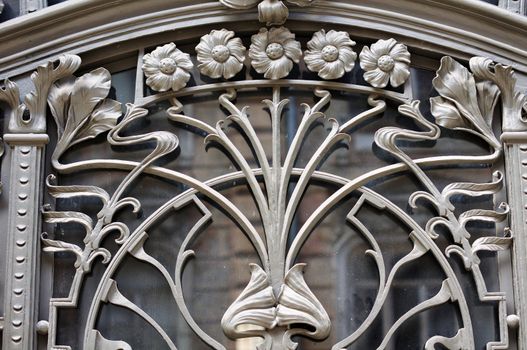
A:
[278,182]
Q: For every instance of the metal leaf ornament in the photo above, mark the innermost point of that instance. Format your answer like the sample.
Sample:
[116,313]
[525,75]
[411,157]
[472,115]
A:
[81,108]
[462,104]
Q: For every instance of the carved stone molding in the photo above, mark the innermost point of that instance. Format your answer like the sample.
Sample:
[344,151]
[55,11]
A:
[85,26]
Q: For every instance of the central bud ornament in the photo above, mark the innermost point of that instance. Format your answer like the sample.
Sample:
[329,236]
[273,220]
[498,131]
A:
[274,51]
[221,53]
[167,66]
[330,53]
[386,63]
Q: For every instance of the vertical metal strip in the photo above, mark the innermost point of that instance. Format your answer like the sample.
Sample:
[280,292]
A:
[515,146]
[23,231]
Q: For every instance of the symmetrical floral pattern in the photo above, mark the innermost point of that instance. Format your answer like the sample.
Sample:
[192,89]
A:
[278,304]
[330,54]
[167,67]
[220,54]
[272,12]
[274,51]
[385,61]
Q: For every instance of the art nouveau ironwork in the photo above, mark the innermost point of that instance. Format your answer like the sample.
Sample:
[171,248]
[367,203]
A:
[278,305]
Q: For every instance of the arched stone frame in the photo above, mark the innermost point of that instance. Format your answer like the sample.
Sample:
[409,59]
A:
[92,27]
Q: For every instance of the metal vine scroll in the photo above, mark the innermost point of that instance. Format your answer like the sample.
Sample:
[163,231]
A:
[277,304]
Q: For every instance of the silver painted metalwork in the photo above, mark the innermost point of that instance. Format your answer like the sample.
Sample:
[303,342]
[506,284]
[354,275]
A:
[167,68]
[26,139]
[220,54]
[330,54]
[385,61]
[277,298]
[82,110]
[273,12]
[274,51]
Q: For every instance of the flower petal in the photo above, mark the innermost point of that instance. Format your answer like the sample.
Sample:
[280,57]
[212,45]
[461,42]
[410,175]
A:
[399,75]
[150,66]
[377,78]
[318,41]
[260,41]
[221,37]
[232,67]
[183,61]
[280,35]
[293,50]
[314,61]
[180,79]
[368,60]
[260,61]
[211,69]
[400,53]
[159,82]
[164,51]
[204,52]
[237,49]
[348,57]
[332,70]
[383,47]
[339,39]
[279,68]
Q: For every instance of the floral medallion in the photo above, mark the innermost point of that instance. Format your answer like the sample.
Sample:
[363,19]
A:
[167,68]
[273,52]
[330,54]
[385,61]
[220,54]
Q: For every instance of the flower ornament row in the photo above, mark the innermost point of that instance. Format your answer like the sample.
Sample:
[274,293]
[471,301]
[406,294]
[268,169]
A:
[273,53]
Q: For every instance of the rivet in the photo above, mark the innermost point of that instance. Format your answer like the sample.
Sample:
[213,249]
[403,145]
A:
[19,275]
[25,150]
[17,307]
[20,243]
[22,196]
[24,180]
[513,321]
[21,227]
[16,339]
[20,259]
[523,147]
[22,212]
[24,165]
[18,291]
[17,323]
[42,327]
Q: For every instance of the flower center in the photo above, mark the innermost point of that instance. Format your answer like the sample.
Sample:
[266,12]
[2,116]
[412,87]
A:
[221,53]
[386,63]
[168,65]
[274,51]
[330,53]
